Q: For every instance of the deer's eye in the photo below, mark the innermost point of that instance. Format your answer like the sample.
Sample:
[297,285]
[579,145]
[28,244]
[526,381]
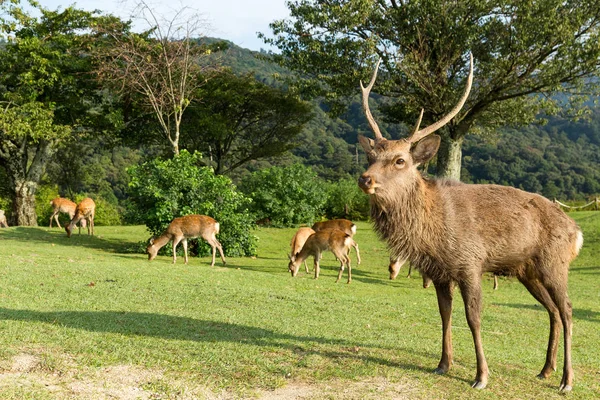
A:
[400,162]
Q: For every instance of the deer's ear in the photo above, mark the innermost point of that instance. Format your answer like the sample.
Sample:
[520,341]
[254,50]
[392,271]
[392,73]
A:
[425,149]
[367,144]
[369,147]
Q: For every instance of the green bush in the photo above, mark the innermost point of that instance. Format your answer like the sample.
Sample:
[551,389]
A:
[346,200]
[163,190]
[285,196]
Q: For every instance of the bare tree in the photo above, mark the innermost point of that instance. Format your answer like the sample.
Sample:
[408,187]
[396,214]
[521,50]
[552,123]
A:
[165,65]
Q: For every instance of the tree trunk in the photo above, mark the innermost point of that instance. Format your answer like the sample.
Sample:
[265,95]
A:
[24,164]
[449,157]
[24,203]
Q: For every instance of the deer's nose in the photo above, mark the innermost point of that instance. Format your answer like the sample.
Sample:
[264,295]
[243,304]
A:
[365,181]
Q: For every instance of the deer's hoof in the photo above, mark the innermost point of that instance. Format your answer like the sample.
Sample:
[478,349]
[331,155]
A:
[440,371]
[565,388]
[479,385]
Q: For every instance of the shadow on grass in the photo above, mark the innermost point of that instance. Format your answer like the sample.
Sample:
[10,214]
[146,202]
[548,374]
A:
[190,329]
[578,313]
[59,237]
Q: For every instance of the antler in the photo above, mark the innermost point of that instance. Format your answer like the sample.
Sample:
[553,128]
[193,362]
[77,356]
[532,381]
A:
[420,134]
[365,102]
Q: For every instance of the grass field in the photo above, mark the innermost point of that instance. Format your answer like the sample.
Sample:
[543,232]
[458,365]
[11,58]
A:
[86,318]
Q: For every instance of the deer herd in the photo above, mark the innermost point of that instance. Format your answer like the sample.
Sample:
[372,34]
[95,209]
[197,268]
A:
[451,232]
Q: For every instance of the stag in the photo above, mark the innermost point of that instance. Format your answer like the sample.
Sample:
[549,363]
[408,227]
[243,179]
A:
[455,232]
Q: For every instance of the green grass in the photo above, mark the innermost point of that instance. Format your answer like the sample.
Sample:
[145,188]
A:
[87,318]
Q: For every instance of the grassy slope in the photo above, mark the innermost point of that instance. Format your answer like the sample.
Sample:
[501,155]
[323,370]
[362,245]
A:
[84,305]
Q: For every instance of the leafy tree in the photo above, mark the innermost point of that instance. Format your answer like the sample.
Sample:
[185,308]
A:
[520,48]
[163,190]
[242,119]
[46,93]
[346,200]
[285,196]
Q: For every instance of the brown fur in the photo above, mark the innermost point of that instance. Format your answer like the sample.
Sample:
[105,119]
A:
[86,209]
[343,225]
[188,227]
[334,240]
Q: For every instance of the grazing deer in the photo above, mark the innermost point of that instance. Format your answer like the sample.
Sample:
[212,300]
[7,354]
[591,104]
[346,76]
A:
[394,269]
[455,232]
[66,206]
[188,227]
[336,241]
[343,225]
[3,222]
[85,210]
[298,241]
[396,264]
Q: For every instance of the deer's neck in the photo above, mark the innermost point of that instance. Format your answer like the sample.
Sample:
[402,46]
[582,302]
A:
[160,241]
[410,220]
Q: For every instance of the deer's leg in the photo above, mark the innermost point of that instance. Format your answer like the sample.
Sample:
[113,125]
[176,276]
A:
[348,263]
[355,245]
[539,292]
[495,282]
[305,266]
[470,288]
[316,265]
[409,270]
[220,248]
[92,223]
[342,258]
[444,298]
[565,309]
[176,241]
[185,254]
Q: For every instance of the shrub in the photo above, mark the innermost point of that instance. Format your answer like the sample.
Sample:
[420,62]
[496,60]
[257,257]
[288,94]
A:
[162,190]
[346,200]
[285,196]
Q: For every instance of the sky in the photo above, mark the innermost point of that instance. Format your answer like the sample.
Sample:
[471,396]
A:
[235,20]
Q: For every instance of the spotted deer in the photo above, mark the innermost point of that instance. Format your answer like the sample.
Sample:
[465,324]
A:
[298,241]
[187,227]
[65,206]
[455,232]
[85,210]
[343,225]
[334,240]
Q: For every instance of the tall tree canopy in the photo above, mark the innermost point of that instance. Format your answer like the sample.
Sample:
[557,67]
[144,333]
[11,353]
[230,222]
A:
[525,51]
[242,119]
[46,93]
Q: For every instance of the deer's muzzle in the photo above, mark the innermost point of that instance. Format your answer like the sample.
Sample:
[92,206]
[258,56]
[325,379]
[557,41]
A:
[367,184]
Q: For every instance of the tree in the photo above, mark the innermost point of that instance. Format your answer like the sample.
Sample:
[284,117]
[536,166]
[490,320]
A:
[521,49]
[164,66]
[285,196]
[46,93]
[242,119]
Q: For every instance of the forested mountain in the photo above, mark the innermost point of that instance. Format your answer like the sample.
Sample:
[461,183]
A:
[559,159]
